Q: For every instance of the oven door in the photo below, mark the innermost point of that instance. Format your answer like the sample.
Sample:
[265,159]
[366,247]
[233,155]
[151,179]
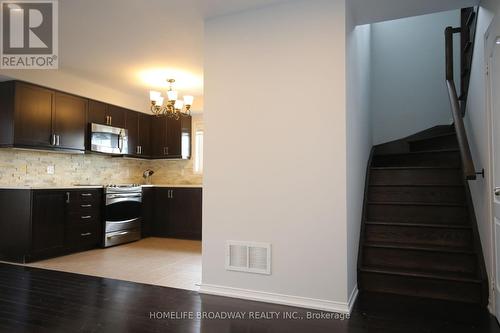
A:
[123,211]
[108,139]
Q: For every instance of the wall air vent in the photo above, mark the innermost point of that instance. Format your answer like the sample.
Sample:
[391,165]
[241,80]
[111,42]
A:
[250,257]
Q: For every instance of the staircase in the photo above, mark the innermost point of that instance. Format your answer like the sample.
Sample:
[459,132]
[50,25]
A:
[419,236]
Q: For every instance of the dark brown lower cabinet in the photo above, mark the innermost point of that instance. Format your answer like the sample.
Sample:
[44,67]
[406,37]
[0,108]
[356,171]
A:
[40,224]
[185,213]
[148,202]
[48,222]
[177,212]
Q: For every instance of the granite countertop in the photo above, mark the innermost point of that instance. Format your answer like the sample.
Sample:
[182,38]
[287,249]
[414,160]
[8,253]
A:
[76,187]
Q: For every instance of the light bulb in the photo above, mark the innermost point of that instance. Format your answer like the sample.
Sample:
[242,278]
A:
[188,100]
[159,101]
[154,95]
[178,104]
[172,95]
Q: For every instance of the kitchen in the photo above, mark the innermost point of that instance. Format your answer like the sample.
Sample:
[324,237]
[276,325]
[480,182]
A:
[99,189]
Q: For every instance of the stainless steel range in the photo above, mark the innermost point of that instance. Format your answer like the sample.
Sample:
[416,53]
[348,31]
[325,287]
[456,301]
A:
[123,210]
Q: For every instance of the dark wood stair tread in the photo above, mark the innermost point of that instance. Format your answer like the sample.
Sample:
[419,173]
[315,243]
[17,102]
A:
[420,225]
[418,247]
[416,168]
[416,203]
[420,152]
[449,276]
[437,136]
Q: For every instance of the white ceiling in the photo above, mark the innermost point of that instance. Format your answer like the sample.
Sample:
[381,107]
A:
[134,46]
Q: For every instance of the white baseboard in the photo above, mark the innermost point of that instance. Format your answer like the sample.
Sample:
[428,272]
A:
[297,301]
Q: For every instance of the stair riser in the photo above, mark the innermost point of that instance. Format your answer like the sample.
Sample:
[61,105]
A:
[419,235]
[416,177]
[416,194]
[445,159]
[417,214]
[445,142]
[431,261]
[421,287]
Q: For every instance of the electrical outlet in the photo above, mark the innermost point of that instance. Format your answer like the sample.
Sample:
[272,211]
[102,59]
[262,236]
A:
[51,169]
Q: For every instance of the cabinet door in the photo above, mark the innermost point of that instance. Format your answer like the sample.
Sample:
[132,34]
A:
[174,132]
[161,213]
[117,116]
[33,115]
[185,210]
[148,212]
[70,121]
[48,219]
[133,132]
[145,134]
[97,112]
[158,137]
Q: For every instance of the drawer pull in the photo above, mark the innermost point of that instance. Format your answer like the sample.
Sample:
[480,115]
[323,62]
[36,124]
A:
[86,194]
[86,234]
[85,206]
[86,217]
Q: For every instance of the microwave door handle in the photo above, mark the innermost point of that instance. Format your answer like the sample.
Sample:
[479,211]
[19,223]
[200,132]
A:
[120,142]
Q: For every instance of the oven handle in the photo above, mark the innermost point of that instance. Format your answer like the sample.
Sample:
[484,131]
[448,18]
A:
[126,221]
[124,195]
[120,198]
[119,234]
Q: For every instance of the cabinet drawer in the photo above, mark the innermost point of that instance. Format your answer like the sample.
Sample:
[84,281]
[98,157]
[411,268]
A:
[83,237]
[84,219]
[84,196]
[85,208]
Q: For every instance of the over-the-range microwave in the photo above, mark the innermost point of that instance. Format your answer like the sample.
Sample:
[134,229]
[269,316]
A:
[108,139]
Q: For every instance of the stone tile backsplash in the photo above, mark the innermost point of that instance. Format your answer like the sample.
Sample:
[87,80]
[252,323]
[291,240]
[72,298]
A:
[29,168]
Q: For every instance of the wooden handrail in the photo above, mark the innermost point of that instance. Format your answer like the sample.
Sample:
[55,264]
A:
[463,143]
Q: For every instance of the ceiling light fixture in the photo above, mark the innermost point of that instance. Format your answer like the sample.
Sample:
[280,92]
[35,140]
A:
[174,108]
[498,41]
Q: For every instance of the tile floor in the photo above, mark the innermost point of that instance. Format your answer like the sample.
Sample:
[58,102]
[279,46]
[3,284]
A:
[158,261]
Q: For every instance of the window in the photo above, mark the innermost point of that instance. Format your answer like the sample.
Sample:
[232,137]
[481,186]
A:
[198,157]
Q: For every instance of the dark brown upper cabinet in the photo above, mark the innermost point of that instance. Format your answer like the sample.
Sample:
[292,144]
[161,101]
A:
[105,114]
[139,128]
[36,117]
[132,120]
[32,115]
[145,134]
[171,138]
[70,121]
[117,116]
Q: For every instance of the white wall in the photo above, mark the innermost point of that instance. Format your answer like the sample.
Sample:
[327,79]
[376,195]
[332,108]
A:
[477,124]
[408,75]
[275,151]
[359,136]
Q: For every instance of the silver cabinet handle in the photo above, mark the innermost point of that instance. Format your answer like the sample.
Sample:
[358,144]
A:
[86,234]
[86,194]
[67,197]
[85,206]
[167,150]
[110,120]
[53,140]
[58,137]
[172,194]
[497,191]
[87,217]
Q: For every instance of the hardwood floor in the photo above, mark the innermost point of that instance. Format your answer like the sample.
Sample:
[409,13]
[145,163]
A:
[164,262]
[37,300]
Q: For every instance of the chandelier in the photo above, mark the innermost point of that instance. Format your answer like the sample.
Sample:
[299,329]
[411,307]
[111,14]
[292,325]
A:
[174,108]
